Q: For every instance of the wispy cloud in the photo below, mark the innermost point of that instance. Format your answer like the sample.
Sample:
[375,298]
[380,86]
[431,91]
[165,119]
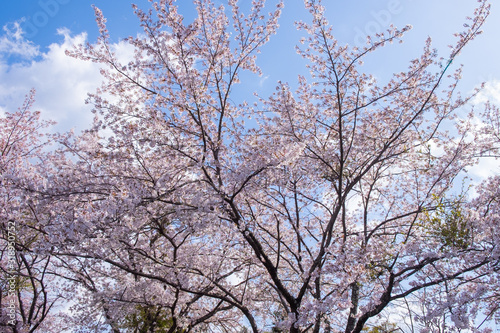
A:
[12,43]
[263,80]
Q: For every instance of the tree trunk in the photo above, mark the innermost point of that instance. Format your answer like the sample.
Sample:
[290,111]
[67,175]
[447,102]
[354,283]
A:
[351,322]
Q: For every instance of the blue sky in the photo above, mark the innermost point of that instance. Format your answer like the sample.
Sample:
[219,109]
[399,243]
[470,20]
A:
[35,58]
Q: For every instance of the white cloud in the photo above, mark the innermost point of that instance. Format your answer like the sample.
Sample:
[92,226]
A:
[491,93]
[487,166]
[13,43]
[61,82]
[124,52]
[262,80]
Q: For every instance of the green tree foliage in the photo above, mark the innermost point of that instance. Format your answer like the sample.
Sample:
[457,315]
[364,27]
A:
[382,328]
[449,224]
[149,319]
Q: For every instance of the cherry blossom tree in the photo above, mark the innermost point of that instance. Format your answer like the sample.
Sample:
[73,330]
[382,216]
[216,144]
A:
[28,292]
[316,209]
